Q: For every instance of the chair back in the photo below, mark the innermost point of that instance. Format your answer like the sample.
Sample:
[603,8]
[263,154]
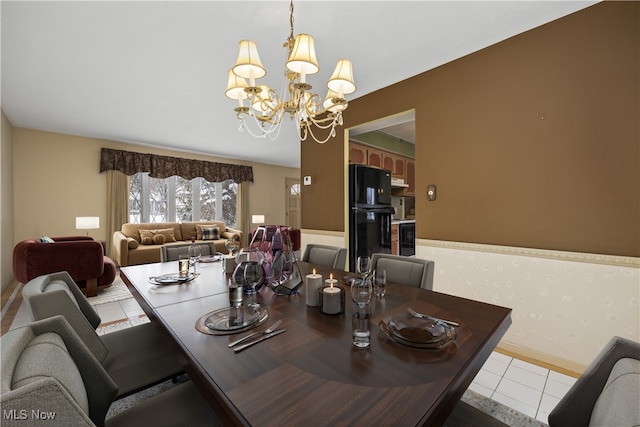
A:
[403,270]
[324,255]
[172,252]
[57,294]
[45,366]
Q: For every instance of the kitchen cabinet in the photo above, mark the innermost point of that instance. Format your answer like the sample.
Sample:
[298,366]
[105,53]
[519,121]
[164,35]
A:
[395,241]
[394,163]
[374,157]
[410,178]
[357,154]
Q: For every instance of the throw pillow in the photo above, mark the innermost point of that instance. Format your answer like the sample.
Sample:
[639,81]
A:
[159,239]
[199,228]
[132,243]
[166,232]
[46,239]
[210,233]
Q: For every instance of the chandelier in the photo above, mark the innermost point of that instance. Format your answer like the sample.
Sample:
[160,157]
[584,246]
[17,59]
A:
[266,107]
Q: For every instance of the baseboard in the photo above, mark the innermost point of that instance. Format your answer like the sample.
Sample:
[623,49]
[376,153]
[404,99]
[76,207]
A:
[544,360]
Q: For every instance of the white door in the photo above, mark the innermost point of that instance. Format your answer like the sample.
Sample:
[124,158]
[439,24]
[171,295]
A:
[292,200]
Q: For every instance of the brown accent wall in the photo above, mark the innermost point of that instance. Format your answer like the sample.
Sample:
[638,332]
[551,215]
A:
[533,142]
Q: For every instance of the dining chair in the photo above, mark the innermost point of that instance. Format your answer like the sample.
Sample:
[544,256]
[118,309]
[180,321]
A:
[47,373]
[608,391]
[172,252]
[324,255]
[403,270]
[135,357]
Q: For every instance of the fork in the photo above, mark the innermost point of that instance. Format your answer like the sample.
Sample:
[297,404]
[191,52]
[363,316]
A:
[425,316]
[266,331]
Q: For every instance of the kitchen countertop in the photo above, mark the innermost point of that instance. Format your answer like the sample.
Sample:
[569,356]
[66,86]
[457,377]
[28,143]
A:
[402,221]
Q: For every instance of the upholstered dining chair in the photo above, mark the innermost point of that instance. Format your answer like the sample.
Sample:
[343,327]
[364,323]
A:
[403,270]
[607,393]
[48,374]
[135,358]
[324,255]
[172,252]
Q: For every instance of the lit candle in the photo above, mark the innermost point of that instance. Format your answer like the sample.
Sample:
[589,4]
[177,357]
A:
[314,283]
[331,297]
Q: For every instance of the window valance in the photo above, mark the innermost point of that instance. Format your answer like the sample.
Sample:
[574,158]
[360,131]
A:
[130,163]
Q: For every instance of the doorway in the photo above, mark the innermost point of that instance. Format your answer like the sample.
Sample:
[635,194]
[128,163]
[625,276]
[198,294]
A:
[292,202]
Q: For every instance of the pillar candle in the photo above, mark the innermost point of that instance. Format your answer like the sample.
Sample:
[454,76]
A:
[314,283]
[331,297]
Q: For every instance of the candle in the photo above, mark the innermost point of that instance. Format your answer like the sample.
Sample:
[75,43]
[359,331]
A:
[314,283]
[331,296]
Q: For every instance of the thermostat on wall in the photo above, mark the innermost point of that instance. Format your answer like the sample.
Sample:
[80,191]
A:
[307,180]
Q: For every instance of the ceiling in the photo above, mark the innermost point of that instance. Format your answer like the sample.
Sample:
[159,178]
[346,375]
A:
[154,73]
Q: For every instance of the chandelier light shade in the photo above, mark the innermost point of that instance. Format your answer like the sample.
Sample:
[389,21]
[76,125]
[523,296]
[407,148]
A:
[266,107]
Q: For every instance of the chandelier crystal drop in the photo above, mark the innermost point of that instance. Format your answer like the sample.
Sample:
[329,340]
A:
[268,107]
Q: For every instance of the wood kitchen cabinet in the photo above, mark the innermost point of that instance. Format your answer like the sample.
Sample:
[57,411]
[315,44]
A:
[410,178]
[374,158]
[395,239]
[358,154]
[394,163]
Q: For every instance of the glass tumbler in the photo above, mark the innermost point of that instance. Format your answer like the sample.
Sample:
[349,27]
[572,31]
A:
[361,325]
[380,283]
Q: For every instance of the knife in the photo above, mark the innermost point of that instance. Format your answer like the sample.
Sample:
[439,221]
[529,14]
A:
[262,338]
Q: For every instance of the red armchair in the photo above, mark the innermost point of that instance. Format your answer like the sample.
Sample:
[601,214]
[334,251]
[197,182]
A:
[81,256]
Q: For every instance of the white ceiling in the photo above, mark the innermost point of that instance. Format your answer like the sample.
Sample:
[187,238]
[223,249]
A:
[154,73]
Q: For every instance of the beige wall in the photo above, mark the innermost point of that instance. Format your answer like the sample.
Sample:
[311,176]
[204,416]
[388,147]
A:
[6,203]
[57,178]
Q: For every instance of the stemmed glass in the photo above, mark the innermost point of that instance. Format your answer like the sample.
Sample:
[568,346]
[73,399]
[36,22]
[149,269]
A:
[363,266]
[194,255]
[253,275]
[232,246]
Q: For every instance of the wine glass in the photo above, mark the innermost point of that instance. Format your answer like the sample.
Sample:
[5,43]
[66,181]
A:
[363,266]
[194,255]
[232,246]
[361,291]
[253,275]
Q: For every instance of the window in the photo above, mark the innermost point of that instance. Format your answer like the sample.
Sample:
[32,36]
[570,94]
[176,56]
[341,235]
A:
[176,199]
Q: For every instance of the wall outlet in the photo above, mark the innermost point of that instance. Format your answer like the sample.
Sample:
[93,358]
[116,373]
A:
[307,180]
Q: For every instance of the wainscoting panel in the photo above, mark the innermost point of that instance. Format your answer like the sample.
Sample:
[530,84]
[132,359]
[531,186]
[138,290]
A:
[566,306]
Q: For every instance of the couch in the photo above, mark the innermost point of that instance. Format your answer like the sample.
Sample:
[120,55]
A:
[82,256]
[140,243]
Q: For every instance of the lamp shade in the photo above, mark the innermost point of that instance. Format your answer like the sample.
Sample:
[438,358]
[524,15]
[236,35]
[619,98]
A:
[248,65]
[341,81]
[303,56]
[334,103]
[87,222]
[257,219]
[235,87]
[263,103]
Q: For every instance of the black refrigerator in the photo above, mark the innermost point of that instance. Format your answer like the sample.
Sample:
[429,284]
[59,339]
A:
[370,212]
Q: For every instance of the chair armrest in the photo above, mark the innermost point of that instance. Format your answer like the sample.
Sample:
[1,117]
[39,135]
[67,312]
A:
[101,389]
[232,233]
[120,248]
[577,405]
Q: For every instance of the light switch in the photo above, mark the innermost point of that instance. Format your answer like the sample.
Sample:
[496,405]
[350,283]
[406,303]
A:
[307,180]
[431,192]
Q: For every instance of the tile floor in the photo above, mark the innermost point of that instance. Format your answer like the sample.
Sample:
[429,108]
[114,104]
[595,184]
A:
[525,387]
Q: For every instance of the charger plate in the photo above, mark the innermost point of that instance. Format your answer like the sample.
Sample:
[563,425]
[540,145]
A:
[418,333]
[171,279]
[219,322]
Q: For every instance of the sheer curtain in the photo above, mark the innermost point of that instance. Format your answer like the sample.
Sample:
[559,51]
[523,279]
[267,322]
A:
[117,204]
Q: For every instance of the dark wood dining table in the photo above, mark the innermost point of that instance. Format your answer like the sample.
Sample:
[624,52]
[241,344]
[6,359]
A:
[312,375]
